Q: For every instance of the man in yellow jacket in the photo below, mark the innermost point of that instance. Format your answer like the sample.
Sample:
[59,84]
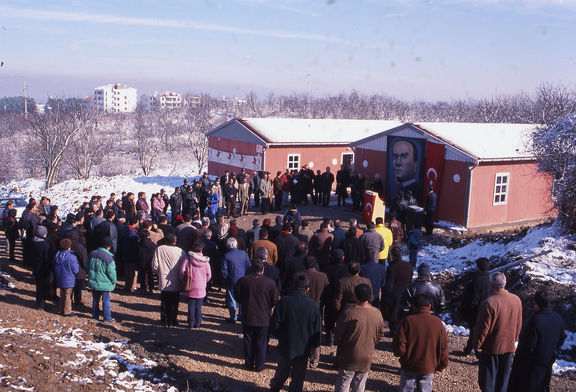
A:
[386,234]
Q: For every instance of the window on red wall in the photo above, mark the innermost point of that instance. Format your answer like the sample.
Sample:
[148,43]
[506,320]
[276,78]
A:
[293,162]
[501,186]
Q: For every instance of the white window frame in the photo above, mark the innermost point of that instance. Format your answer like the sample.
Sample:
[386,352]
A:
[501,188]
[289,162]
[346,153]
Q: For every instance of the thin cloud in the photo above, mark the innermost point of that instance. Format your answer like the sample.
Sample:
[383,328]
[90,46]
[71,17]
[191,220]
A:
[63,16]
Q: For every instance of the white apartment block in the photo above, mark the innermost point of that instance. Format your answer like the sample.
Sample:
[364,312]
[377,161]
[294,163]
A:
[167,100]
[115,98]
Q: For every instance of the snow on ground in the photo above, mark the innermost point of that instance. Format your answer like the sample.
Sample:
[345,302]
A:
[558,266]
[69,195]
[113,358]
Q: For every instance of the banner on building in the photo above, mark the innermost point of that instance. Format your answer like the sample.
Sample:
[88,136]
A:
[434,165]
[249,162]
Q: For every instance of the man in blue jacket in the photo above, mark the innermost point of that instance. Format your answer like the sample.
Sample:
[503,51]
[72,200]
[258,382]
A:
[235,265]
[102,278]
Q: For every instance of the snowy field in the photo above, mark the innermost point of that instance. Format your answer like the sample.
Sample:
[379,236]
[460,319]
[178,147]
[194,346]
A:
[558,265]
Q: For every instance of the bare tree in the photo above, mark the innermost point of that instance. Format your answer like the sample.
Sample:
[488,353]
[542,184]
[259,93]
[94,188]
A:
[197,119]
[151,134]
[52,133]
[89,147]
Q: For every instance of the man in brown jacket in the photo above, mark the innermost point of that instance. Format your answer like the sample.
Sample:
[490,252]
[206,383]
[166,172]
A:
[345,294]
[422,345]
[497,329]
[264,242]
[358,330]
[321,244]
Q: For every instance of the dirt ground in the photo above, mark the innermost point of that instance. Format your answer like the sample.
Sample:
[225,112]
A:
[204,359]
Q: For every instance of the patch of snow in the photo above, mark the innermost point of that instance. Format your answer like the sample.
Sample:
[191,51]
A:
[558,266]
[570,341]
[450,226]
[560,367]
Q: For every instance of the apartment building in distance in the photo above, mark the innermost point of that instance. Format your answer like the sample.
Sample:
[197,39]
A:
[167,100]
[115,98]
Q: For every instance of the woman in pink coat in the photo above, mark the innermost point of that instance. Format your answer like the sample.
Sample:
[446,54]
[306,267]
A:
[197,267]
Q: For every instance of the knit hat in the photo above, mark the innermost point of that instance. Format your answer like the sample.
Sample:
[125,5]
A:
[41,231]
[424,269]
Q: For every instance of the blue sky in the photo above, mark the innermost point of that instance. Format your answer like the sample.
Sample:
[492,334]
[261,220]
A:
[412,49]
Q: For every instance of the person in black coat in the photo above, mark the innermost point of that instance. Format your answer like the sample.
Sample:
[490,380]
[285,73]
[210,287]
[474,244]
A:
[286,243]
[335,271]
[230,194]
[429,209]
[42,257]
[474,294]
[176,204]
[353,246]
[293,265]
[538,345]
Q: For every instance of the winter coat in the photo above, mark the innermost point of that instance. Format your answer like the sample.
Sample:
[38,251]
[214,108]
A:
[142,205]
[428,288]
[107,229]
[498,324]
[398,277]
[374,240]
[65,269]
[41,255]
[377,274]
[101,270]
[166,264]
[265,188]
[11,228]
[130,208]
[421,343]
[128,240]
[474,294]
[235,265]
[198,266]
[176,204]
[386,234]
[158,206]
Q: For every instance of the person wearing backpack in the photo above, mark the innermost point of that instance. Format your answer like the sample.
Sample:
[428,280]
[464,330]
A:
[102,279]
[195,273]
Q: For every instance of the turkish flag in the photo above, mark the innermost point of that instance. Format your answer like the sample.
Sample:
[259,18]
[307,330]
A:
[434,163]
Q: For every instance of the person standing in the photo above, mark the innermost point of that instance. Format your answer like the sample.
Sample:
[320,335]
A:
[327,186]
[537,348]
[257,295]
[265,192]
[398,277]
[166,265]
[297,324]
[256,180]
[495,333]
[318,283]
[342,182]
[423,284]
[176,204]
[12,232]
[421,344]
[346,294]
[230,195]
[321,245]
[102,278]
[41,255]
[66,268]
[430,209]
[358,330]
[474,294]
[386,234]
[196,270]
[244,195]
[413,238]
[235,264]
[277,190]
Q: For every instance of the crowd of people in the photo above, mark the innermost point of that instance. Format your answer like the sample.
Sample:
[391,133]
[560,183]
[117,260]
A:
[336,285]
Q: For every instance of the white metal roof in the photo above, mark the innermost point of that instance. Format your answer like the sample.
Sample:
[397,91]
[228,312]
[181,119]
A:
[317,131]
[485,141]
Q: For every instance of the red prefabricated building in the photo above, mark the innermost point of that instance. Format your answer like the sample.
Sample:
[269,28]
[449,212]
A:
[483,176]
[481,172]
